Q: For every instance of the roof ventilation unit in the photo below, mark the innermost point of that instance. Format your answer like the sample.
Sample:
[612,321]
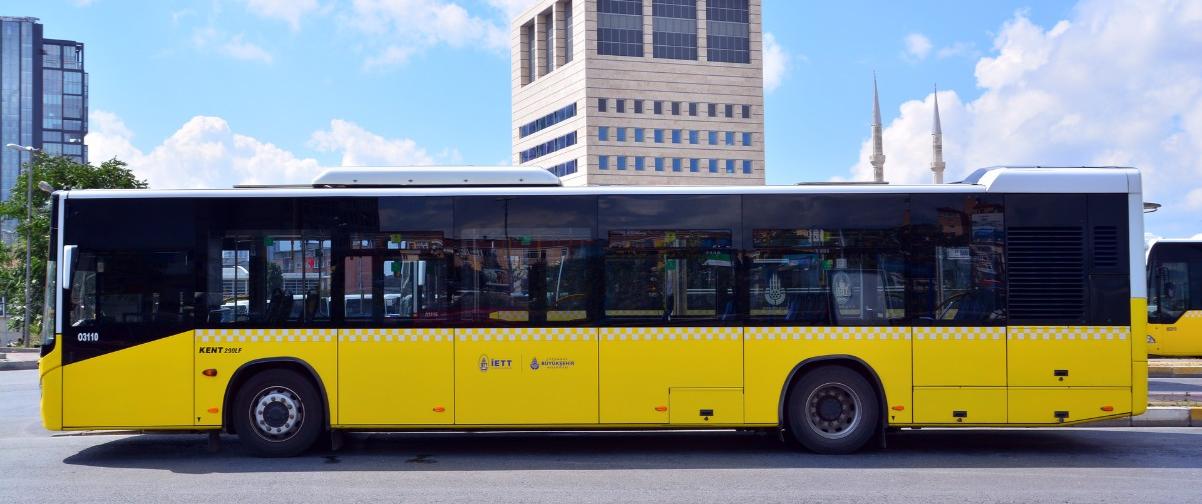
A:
[437,176]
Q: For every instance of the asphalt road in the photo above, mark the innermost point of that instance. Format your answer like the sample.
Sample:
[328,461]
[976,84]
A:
[1001,465]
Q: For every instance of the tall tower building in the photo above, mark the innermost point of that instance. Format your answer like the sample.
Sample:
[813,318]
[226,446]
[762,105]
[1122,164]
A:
[609,92]
[937,164]
[878,143]
[43,96]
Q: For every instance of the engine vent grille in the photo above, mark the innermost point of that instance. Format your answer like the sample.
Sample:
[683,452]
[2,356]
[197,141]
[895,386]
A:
[1105,247]
[1046,268]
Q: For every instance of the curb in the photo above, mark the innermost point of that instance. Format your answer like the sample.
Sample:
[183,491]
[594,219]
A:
[18,365]
[1157,417]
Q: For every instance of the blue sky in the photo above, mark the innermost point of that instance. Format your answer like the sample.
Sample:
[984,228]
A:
[210,93]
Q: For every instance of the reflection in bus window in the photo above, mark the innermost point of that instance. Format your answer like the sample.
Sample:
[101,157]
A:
[1172,293]
[273,278]
[669,275]
[957,270]
[114,287]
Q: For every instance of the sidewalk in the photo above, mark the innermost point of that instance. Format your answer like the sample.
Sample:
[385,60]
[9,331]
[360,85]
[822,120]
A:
[16,359]
[1174,368]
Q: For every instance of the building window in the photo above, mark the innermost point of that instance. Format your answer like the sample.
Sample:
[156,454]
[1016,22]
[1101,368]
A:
[713,138]
[621,134]
[693,108]
[693,134]
[638,134]
[675,108]
[746,111]
[746,139]
[659,136]
[676,162]
[727,31]
[674,29]
[747,167]
[675,136]
[549,37]
[531,58]
[603,133]
[548,147]
[659,107]
[602,162]
[659,164]
[602,105]
[639,163]
[713,166]
[730,138]
[547,121]
[638,106]
[620,27]
[712,109]
[621,162]
[563,169]
[620,106]
[694,165]
[730,166]
[567,32]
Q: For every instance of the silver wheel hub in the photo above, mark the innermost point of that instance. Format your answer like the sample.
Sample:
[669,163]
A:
[833,410]
[277,413]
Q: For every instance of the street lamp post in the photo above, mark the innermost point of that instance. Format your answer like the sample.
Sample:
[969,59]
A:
[28,242]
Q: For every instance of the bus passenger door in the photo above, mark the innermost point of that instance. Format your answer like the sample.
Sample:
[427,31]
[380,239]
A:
[127,343]
[395,363]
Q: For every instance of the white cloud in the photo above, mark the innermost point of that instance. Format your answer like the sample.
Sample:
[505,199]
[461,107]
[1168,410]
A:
[205,153]
[360,147]
[776,63]
[1118,83]
[396,29]
[210,39]
[289,11]
[958,49]
[240,49]
[918,46]
[83,3]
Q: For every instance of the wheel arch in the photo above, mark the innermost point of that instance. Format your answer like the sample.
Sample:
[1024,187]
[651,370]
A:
[251,368]
[849,361]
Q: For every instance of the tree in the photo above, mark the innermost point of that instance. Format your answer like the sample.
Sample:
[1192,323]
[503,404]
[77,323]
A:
[61,173]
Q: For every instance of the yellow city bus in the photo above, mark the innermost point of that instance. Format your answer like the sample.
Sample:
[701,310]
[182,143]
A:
[1175,298]
[491,299]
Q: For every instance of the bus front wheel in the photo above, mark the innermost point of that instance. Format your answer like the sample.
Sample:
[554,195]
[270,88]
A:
[833,410]
[278,414]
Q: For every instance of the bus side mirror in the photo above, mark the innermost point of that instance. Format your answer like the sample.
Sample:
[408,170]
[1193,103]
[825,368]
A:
[68,266]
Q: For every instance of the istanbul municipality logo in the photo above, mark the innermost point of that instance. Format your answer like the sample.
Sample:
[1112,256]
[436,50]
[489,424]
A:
[774,294]
[534,364]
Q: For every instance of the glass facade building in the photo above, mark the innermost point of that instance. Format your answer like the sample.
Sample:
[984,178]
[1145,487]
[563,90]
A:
[674,29]
[43,97]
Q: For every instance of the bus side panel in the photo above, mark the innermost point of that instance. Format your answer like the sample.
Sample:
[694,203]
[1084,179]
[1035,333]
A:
[148,385]
[639,365]
[226,350]
[396,376]
[1068,356]
[50,372]
[1182,338]
[526,376]
[773,352]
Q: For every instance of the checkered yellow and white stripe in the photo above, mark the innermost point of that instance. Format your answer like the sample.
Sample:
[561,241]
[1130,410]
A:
[959,333]
[266,335]
[526,334]
[857,333]
[1071,333]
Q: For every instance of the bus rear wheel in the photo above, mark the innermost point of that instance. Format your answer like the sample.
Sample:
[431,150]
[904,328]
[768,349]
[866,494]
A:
[833,410]
[278,413]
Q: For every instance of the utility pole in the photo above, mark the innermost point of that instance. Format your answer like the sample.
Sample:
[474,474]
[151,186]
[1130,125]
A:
[28,241]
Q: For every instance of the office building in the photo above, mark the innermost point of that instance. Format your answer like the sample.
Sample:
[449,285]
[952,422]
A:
[43,96]
[661,92]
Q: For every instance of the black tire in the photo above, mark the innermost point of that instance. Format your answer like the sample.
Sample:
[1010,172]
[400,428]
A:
[289,417]
[833,410]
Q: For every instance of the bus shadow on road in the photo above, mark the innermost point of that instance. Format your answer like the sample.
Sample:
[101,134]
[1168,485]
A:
[495,451]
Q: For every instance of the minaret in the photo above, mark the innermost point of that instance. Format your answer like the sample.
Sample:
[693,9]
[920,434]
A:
[937,164]
[878,145]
